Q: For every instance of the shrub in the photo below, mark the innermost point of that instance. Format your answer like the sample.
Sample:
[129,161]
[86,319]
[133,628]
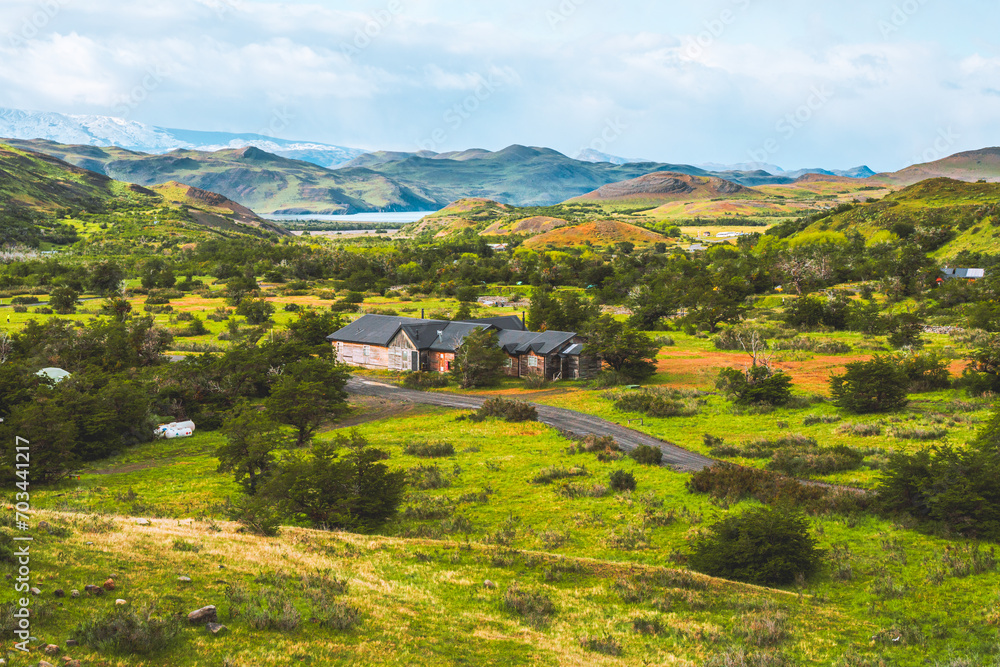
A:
[878,385]
[427,477]
[658,402]
[255,515]
[757,385]
[726,481]
[507,410]
[354,298]
[184,545]
[760,546]
[860,430]
[19,309]
[553,473]
[534,607]
[425,380]
[621,480]
[803,463]
[818,345]
[647,455]
[926,372]
[605,644]
[820,419]
[535,382]
[628,538]
[764,628]
[266,609]
[430,450]
[128,630]
[24,300]
[919,433]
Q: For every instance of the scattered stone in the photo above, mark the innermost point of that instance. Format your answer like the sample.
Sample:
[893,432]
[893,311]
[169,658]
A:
[35,591]
[42,663]
[51,649]
[489,584]
[119,601]
[203,615]
[72,642]
[142,522]
[217,628]
[109,585]
[89,543]
[75,593]
[59,593]
[72,663]
[91,589]
[184,580]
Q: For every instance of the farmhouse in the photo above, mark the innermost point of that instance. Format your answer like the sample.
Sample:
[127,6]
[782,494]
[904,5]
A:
[381,342]
[963,274]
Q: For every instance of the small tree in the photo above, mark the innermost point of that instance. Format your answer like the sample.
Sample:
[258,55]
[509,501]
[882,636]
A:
[479,361]
[252,437]
[626,350]
[257,311]
[309,393]
[106,277]
[757,383]
[63,300]
[762,546]
[878,385]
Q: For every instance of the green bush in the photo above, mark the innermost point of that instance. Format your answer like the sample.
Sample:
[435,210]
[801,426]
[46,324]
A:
[129,630]
[762,545]
[878,385]
[647,455]
[758,385]
[622,480]
[553,473]
[825,461]
[657,402]
[425,380]
[534,607]
[926,372]
[430,450]
[427,477]
[507,410]
[264,609]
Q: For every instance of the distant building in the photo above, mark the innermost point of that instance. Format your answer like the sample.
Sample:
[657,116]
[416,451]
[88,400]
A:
[381,342]
[962,274]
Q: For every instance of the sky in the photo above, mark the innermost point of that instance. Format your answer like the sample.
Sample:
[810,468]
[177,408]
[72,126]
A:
[823,83]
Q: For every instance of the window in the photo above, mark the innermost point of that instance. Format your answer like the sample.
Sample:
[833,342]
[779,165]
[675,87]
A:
[366,350]
[532,362]
[510,362]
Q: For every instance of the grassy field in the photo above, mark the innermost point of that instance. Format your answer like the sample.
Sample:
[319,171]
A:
[609,565]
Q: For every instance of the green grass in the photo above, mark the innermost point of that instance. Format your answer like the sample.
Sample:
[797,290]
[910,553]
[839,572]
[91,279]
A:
[420,586]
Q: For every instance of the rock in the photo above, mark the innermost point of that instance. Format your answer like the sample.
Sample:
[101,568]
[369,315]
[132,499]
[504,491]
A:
[74,593]
[217,628]
[59,593]
[72,642]
[91,589]
[42,663]
[184,580]
[71,663]
[109,585]
[51,649]
[489,584]
[35,591]
[142,522]
[120,602]
[203,615]
[89,543]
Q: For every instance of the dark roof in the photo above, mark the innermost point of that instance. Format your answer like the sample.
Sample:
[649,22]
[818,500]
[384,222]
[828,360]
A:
[445,336]
[511,322]
[521,342]
[971,274]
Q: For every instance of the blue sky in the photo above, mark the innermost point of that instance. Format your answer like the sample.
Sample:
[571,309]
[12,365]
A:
[798,84]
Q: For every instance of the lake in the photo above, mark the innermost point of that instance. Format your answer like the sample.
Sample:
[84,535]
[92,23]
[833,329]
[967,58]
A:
[412,216]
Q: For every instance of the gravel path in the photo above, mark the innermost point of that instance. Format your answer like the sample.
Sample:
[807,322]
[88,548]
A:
[569,421]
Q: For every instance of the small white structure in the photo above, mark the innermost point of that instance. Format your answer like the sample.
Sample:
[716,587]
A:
[175,430]
[55,374]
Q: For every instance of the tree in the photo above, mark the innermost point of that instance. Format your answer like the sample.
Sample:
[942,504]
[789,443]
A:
[312,327]
[878,385]
[627,351]
[106,277]
[479,361]
[309,393]
[117,306]
[757,383]
[51,433]
[763,545]
[63,300]
[337,484]
[238,287]
[252,437]
[156,273]
[257,311]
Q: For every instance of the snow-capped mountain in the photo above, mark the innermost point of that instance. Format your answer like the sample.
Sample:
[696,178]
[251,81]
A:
[136,136]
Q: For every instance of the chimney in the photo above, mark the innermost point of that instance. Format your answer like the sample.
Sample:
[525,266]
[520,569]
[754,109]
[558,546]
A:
[440,336]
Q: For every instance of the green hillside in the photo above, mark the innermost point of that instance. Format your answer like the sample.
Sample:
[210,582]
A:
[983,164]
[44,200]
[945,215]
[254,178]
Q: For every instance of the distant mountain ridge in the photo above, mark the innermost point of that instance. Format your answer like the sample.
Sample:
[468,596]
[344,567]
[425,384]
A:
[108,131]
